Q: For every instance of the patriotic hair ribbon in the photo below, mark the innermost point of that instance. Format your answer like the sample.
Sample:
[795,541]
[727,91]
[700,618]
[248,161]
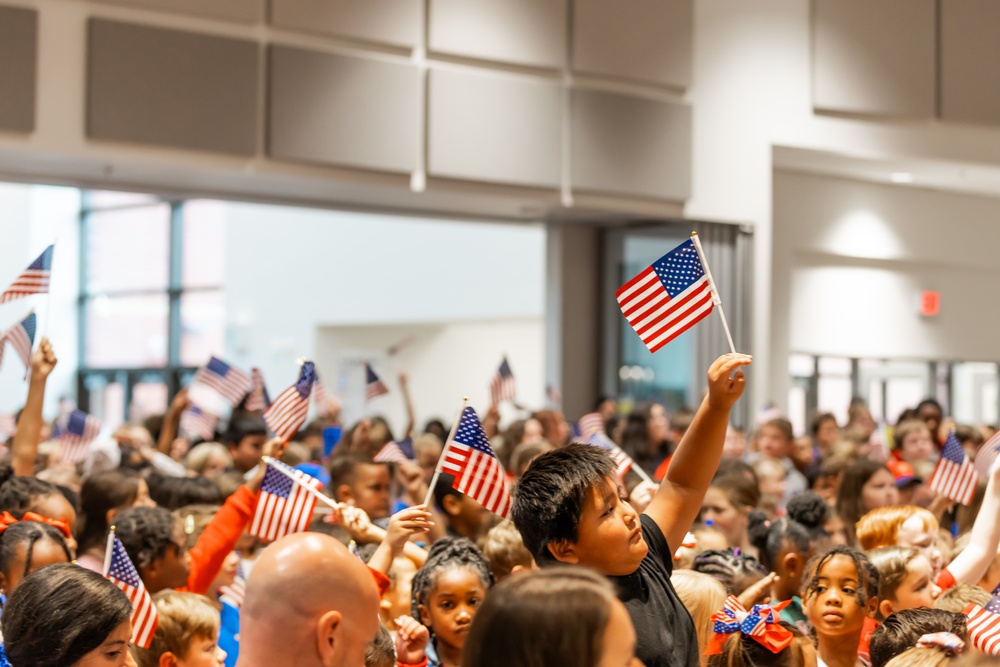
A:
[761,623]
[948,642]
[7,520]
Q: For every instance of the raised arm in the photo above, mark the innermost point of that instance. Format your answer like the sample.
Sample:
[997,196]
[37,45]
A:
[411,415]
[970,565]
[678,500]
[28,435]
[172,421]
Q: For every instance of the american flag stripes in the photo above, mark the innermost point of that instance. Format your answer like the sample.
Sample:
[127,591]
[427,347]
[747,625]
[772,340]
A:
[21,336]
[257,399]
[288,412]
[374,387]
[198,424]
[76,434]
[984,624]
[502,386]
[234,592]
[986,455]
[395,452]
[285,504]
[231,383]
[34,280]
[478,474]
[954,476]
[123,574]
[667,298]
[590,423]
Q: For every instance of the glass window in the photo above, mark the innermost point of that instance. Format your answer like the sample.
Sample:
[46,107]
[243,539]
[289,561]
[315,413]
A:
[204,246]
[202,326]
[128,249]
[149,397]
[127,331]
[113,199]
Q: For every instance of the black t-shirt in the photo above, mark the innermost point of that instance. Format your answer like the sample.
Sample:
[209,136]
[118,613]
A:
[664,630]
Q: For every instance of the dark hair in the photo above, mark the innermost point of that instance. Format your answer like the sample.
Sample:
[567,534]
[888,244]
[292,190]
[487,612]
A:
[101,493]
[59,614]
[174,493]
[549,498]
[443,488]
[849,494]
[19,492]
[741,492]
[868,578]
[902,630]
[242,424]
[446,554]
[809,510]
[742,649]
[381,652]
[556,616]
[818,420]
[342,468]
[772,537]
[146,533]
[930,403]
[27,533]
[635,439]
[733,568]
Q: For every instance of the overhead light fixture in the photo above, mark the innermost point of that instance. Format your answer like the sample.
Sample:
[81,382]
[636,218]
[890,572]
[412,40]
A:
[901,177]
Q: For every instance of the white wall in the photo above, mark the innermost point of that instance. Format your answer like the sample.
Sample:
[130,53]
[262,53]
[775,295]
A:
[32,218]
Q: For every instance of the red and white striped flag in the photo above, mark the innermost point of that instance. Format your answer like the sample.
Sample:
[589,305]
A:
[590,423]
[502,387]
[76,434]
[986,455]
[374,386]
[622,460]
[478,474]
[21,336]
[667,298]
[123,574]
[984,625]
[34,280]
[289,411]
[954,476]
[228,381]
[257,399]
[198,424]
[285,504]
[395,452]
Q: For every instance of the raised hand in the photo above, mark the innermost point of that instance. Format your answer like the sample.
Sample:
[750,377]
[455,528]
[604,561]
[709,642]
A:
[724,386]
[412,638]
[405,524]
[43,360]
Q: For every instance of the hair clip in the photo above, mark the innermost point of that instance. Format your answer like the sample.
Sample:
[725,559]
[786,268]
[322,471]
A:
[948,642]
[760,623]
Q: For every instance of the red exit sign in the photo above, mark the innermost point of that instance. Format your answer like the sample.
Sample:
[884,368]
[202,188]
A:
[930,303]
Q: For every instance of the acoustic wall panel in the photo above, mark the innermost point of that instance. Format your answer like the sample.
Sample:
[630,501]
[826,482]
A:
[641,40]
[244,11]
[395,22]
[171,88]
[628,145]
[876,58]
[970,61]
[334,109]
[523,32]
[18,67]
[494,127]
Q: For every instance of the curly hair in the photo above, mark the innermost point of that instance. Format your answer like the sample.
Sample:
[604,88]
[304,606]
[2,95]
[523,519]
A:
[19,492]
[446,554]
[809,510]
[146,533]
[26,534]
[770,537]
[733,568]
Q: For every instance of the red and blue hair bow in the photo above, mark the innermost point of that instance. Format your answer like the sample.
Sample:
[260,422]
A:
[761,623]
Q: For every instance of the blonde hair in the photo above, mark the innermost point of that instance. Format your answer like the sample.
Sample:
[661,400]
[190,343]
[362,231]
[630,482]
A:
[891,564]
[198,457]
[906,428]
[769,467]
[958,597]
[920,656]
[184,617]
[880,527]
[703,595]
[195,518]
[504,549]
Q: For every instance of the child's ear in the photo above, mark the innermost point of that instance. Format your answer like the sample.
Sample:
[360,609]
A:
[792,565]
[425,617]
[168,659]
[343,493]
[885,608]
[563,551]
[452,505]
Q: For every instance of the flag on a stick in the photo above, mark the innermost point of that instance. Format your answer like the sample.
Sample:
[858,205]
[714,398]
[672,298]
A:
[590,423]
[986,455]
[478,474]
[228,381]
[984,624]
[668,297]
[374,386]
[954,476]
[123,574]
[395,452]
[288,412]
[257,399]
[285,504]
[197,423]
[502,386]
[34,280]
[76,434]
[21,336]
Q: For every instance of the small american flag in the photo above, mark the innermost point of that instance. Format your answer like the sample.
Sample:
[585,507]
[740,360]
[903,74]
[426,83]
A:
[288,412]
[502,386]
[198,424]
[257,399]
[34,280]
[374,387]
[234,592]
[21,336]
[984,624]
[590,423]
[478,474]
[230,382]
[667,298]
[395,452]
[123,574]
[76,433]
[954,476]
[986,455]
[285,504]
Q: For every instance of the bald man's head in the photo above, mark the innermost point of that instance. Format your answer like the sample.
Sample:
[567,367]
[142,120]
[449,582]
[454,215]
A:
[309,601]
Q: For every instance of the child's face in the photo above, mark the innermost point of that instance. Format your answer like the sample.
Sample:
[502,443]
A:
[452,604]
[917,446]
[45,552]
[772,486]
[171,569]
[246,454]
[370,489]
[203,652]
[913,533]
[717,508]
[772,442]
[609,536]
[113,651]
[879,491]
[918,588]
[837,531]
[832,607]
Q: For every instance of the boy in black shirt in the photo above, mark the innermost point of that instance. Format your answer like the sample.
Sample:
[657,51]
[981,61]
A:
[569,509]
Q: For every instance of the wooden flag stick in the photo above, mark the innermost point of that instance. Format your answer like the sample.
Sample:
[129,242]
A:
[716,299]
[108,549]
[437,468]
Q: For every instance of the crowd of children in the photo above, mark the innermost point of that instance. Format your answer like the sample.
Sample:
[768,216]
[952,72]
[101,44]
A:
[708,546]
